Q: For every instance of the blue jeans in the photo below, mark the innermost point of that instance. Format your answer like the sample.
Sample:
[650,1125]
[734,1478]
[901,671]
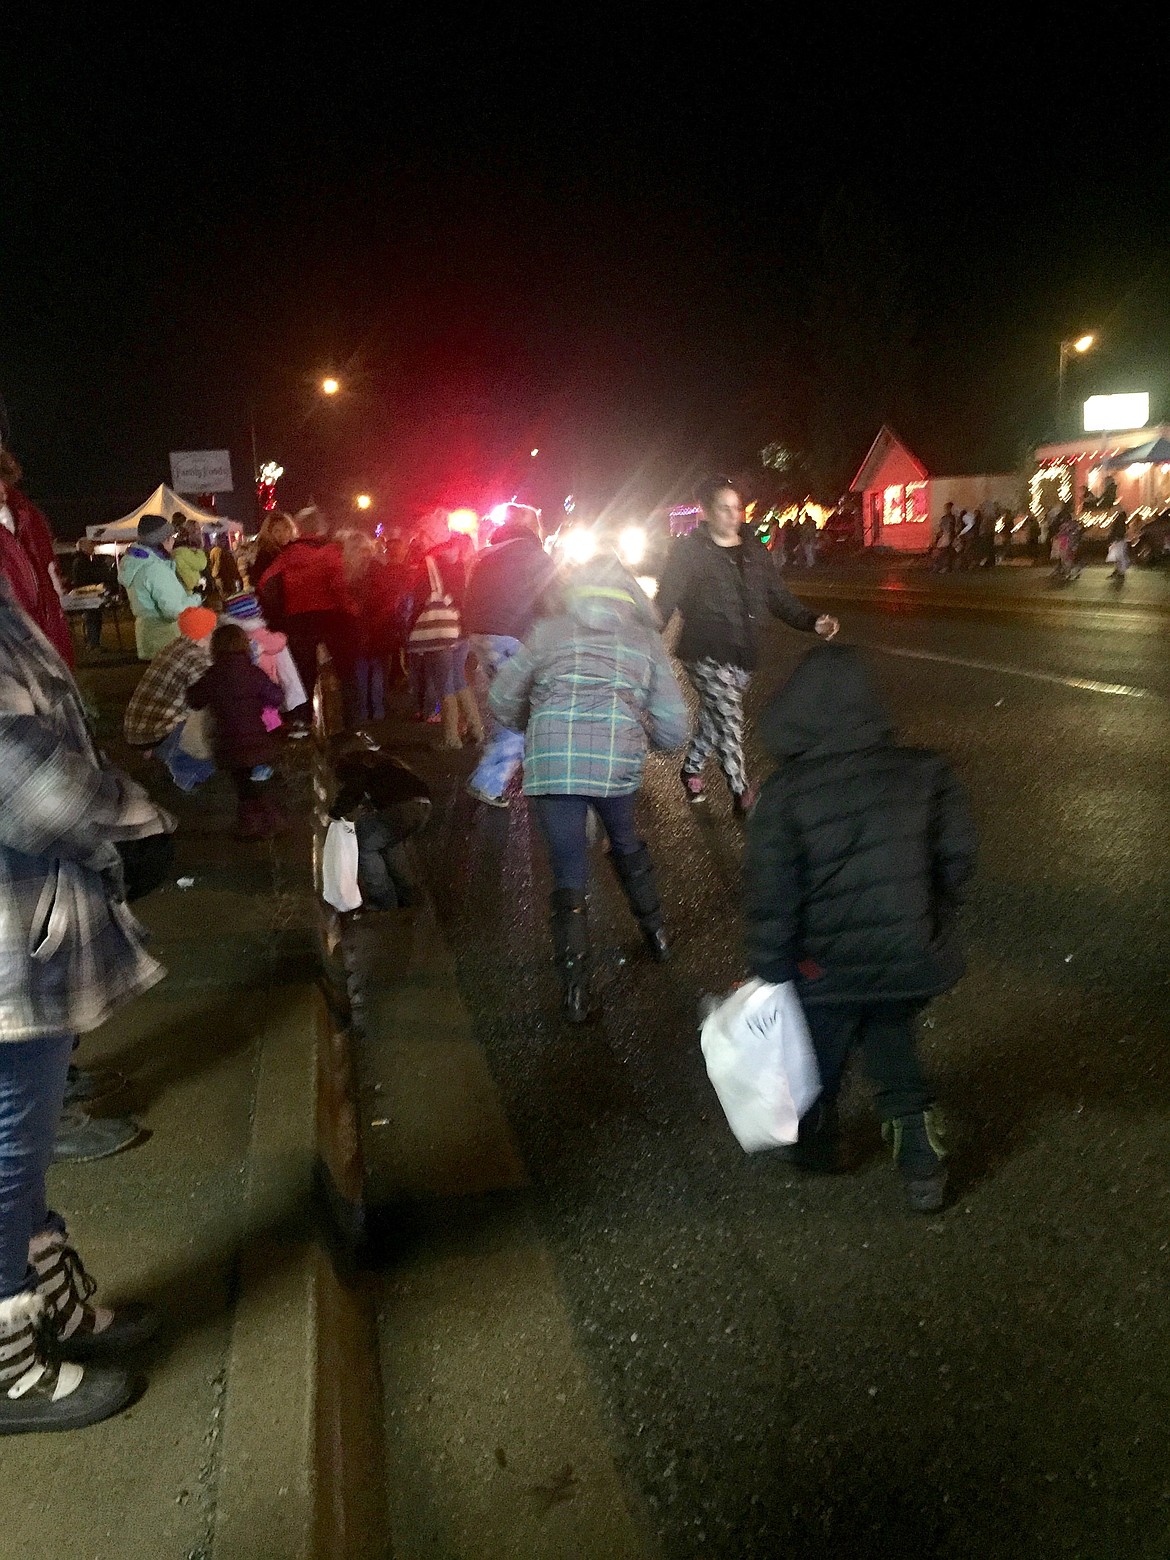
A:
[432,675]
[370,672]
[32,1091]
[504,752]
[459,653]
[187,772]
[563,822]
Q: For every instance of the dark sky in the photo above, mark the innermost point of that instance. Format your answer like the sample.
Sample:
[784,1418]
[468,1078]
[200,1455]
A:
[647,246]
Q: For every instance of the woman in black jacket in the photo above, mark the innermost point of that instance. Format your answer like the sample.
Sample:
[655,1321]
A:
[858,856]
[723,581]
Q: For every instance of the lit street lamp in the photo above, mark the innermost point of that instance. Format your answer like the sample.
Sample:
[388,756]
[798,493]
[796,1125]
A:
[363,500]
[330,386]
[1079,345]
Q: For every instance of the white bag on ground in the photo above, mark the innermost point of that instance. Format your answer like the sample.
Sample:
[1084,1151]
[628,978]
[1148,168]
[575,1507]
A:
[761,1062]
[339,866]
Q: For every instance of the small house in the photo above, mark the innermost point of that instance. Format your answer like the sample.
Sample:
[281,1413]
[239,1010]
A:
[900,500]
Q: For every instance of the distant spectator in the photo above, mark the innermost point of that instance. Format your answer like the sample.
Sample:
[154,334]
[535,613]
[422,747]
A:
[91,569]
[190,556]
[504,597]
[156,595]
[276,532]
[305,594]
[28,561]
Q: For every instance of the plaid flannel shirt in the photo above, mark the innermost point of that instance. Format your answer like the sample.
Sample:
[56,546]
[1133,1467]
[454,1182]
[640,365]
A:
[159,703]
[589,688]
[70,949]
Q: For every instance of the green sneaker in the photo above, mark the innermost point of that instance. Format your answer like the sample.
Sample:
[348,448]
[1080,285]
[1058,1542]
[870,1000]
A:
[919,1154]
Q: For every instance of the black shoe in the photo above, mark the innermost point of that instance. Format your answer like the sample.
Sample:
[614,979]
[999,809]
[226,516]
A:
[635,872]
[658,943]
[81,1137]
[83,1085]
[919,1155]
[38,1392]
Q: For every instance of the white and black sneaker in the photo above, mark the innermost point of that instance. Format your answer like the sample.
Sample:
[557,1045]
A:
[39,1392]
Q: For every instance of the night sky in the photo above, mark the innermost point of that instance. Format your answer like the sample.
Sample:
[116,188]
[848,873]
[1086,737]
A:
[647,247]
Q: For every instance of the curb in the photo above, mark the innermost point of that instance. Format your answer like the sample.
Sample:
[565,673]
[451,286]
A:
[302,1470]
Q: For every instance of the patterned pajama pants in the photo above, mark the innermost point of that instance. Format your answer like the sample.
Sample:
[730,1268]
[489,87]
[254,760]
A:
[720,729]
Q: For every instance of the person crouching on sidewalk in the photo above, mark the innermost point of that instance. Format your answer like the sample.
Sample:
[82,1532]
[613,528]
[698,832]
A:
[238,694]
[858,856]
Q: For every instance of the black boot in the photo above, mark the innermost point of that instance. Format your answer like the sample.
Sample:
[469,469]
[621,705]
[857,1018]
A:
[570,933]
[817,1146]
[636,875]
[919,1155]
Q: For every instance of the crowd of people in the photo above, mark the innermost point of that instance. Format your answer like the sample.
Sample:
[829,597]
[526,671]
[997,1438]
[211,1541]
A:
[857,853]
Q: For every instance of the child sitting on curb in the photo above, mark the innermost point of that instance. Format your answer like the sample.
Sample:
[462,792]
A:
[238,694]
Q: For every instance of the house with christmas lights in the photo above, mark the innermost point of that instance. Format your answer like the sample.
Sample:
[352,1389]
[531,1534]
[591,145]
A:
[1122,462]
[900,498]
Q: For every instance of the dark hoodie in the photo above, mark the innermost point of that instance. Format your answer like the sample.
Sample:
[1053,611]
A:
[507,584]
[858,852]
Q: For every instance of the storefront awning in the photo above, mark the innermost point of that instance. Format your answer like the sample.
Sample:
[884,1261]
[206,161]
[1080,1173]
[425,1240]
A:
[1156,452]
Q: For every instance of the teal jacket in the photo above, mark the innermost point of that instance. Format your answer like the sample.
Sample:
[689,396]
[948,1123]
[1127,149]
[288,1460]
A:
[592,689]
[156,598]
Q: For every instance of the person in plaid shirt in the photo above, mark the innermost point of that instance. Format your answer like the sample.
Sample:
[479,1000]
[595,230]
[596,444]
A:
[591,689]
[157,712]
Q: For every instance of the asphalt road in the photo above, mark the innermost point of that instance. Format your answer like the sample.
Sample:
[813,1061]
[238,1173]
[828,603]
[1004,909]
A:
[795,1366]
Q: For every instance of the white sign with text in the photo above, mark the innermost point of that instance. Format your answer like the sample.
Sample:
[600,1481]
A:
[201,471]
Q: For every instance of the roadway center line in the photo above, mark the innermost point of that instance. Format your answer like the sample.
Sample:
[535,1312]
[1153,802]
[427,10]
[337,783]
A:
[1085,684]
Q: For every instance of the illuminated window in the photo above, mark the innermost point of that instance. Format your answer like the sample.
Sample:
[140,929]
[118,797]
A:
[916,503]
[893,502]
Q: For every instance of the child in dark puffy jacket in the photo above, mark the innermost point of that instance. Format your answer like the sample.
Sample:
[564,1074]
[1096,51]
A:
[237,694]
[859,853]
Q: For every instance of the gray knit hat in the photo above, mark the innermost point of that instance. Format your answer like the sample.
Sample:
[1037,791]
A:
[153,530]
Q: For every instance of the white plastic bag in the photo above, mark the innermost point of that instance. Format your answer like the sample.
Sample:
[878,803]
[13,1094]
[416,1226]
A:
[761,1062]
[339,866]
[196,738]
[1116,552]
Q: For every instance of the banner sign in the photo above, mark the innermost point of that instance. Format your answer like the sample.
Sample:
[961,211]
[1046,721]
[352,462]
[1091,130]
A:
[201,471]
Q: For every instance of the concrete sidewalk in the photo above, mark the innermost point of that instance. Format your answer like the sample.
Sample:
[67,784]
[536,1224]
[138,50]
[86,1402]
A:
[210,1218]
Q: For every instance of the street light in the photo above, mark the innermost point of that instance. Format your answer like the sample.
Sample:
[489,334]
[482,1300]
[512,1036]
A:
[1079,345]
[363,500]
[330,386]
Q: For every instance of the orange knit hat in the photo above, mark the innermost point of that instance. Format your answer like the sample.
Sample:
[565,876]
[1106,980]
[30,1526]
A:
[197,622]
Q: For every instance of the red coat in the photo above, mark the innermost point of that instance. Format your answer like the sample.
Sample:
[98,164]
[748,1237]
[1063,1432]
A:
[311,573]
[24,561]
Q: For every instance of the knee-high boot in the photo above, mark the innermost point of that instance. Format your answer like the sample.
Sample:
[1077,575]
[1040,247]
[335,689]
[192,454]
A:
[635,873]
[469,709]
[570,934]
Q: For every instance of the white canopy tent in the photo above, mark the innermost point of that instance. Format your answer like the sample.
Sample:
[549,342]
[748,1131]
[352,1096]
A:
[166,503]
